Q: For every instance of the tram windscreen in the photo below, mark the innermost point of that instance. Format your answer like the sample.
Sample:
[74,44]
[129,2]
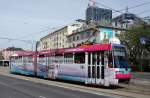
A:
[120,58]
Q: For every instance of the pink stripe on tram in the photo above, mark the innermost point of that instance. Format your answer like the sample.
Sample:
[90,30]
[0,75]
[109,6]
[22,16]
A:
[123,76]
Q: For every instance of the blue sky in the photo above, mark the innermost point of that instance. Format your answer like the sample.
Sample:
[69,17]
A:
[32,19]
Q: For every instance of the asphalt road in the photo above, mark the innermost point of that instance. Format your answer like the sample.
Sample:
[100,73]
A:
[141,75]
[17,88]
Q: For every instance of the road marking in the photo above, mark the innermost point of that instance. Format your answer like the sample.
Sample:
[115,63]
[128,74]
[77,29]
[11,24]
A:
[42,97]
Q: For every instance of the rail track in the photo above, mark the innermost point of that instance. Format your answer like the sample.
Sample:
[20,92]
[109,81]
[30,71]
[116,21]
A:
[145,90]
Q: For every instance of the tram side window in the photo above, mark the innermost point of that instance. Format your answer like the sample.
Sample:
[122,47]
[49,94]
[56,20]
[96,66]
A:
[13,59]
[110,60]
[89,58]
[24,59]
[52,59]
[41,58]
[59,58]
[68,55]
[79,58]
[94,58]
[98,58]
[68,58]
[102,57]
[17,59]
[29,59]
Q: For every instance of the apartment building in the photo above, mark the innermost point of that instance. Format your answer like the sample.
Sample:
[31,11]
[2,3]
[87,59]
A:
[126,20]
[58,38]
[98,15]
[87,35]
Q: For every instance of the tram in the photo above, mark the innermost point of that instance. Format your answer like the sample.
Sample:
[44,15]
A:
[100,64]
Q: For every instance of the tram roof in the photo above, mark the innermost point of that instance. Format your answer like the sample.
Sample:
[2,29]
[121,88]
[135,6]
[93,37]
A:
[52,51]
[88,48]
[83,48]
[24,53]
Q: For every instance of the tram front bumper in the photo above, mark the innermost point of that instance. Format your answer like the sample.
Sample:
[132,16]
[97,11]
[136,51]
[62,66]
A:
[123,76]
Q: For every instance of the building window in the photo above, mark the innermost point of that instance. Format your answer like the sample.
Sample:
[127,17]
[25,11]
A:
[82,35]
[73,38]
[77,37]
[87,34]
[70,40]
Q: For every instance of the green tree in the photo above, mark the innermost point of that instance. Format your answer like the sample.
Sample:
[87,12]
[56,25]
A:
[131,39]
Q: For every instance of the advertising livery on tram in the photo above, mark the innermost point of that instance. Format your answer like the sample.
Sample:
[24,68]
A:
[100,64]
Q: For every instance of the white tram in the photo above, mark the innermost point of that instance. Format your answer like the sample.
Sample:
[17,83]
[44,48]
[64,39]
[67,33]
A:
[100,64]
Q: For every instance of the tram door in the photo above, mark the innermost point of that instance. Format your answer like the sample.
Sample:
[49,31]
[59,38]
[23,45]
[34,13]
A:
[52,68]
[47,67]
[95,67]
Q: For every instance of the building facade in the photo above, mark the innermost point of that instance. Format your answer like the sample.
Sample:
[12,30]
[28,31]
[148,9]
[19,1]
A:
[104,35]
[147,20]
[99,15]
[8,52]
[126,20]
[58,38]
